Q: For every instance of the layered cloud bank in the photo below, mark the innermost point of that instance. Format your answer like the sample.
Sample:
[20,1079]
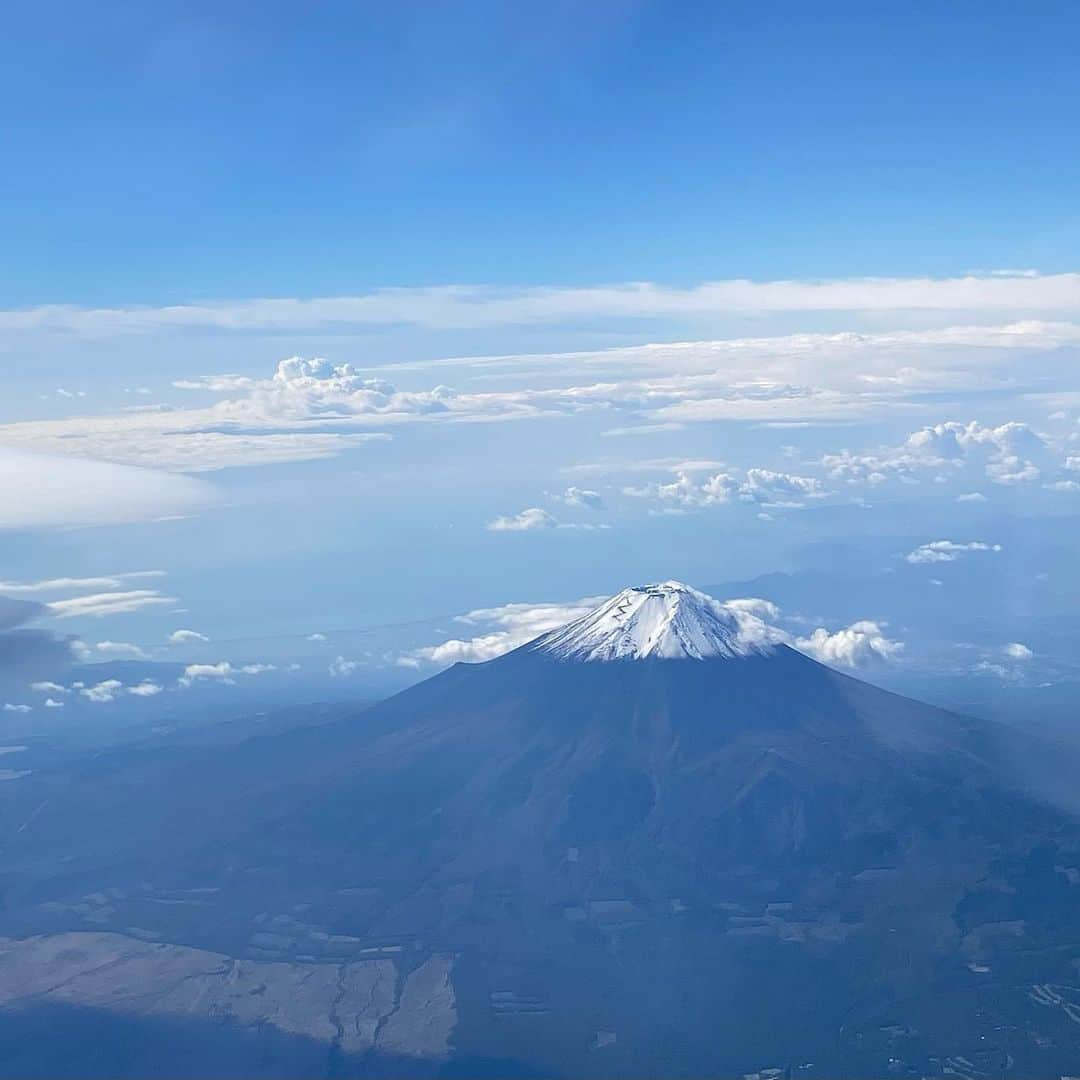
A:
[477,306]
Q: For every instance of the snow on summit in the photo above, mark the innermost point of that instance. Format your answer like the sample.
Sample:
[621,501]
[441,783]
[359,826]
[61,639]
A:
[668,621]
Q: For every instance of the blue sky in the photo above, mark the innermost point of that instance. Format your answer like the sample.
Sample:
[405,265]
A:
[180,151]
[605,293]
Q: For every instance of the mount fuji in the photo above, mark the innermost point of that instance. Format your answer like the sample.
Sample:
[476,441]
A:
[655,841]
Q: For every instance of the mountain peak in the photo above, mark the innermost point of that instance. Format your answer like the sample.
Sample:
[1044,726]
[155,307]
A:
[667,621]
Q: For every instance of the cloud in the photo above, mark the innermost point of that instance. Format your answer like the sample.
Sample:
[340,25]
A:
[1009,454]
[972,497]
[120,648]
[575,496]
[111,603]
[187,637]
[474,306]
[223,671]
[43,490]
[48,687]
[341,668]
[312,408]
[66,584]
[315,637]
[511,625]
[526,521]
[943,551]
[1017,651]
[17,708]
[147,688]
[852,647]
[52,703]
[763,486]
[27,655]
[103,692]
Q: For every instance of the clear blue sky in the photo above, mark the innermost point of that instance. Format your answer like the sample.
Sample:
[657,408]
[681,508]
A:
[166,151]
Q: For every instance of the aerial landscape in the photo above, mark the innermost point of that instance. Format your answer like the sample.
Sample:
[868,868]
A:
[539,541]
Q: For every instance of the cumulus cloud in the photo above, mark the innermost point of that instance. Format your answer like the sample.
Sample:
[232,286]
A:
[187,637]
[763,486]
[943,551]
[1015,650]
[48,687]
[103,692]
[223,671]
[575,496]
[532,518]
[1008,454]
[146,688]
[853,647]
[341,668]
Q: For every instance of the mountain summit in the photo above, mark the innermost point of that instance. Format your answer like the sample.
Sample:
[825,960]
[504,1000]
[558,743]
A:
[668,621]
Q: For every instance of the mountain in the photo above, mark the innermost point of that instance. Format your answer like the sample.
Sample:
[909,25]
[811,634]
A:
[657,841]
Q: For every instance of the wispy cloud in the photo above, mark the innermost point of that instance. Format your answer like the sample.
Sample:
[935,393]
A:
[110,603]
[475,306]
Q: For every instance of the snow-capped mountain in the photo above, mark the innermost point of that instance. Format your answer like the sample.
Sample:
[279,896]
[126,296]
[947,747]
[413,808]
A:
[668,621]
[655,842]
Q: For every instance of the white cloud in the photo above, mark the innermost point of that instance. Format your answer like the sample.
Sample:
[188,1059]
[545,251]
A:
[257,669]
[851,647]
[47,687]
[1009,454]
[526,521]
[66,584]
[103,692]
[147,688]
[111,603]
[42,490]
[187,637]
[120,648]
[315,637]
[16,708]
[223,671]
[510,625]
[575,496]
[764,486]
[341,668]
[314,408]
[52,703]
[472,306]
[1015,650]
[972,497]
[943,551]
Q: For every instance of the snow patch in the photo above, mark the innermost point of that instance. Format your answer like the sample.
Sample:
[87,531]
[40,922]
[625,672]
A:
[669,621]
